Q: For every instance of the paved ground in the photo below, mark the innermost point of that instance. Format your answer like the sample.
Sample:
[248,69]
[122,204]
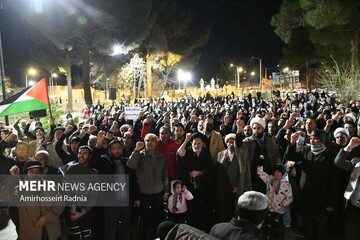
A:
[9,233]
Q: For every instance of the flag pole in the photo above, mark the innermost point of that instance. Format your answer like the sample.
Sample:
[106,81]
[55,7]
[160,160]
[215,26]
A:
[48,98]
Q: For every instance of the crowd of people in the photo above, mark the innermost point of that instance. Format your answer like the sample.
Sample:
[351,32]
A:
[191,161]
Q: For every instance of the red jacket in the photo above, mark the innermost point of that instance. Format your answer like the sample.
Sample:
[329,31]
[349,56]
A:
[169,151]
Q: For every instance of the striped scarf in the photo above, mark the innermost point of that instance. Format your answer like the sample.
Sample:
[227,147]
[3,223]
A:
[354,178]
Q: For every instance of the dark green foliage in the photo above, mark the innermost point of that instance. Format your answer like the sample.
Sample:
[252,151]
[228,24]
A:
[57,111]
[332,29]
[83,30]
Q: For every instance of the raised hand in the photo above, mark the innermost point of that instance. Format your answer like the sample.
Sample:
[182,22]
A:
[114,126]
[294,137]
[41,222]
[92,129]
[14,170]
[240,125]
[294,115]
[101,116]
[329,122]
[68,129]
[188,137]
[139,146]
[290,122]
[47,138]
[354,142]
[290,164]
[11,137]
[101,135]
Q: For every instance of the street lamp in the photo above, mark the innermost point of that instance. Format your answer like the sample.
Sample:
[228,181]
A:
[31,72]
[53,75]
[31,82]
[118,49]
[239,70]
[260,76]
[106,86]
[185,77]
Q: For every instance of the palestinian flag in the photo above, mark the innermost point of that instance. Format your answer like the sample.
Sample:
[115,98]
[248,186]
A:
[30,99]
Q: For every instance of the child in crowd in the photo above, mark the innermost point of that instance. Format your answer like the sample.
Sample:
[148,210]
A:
[177,202]
[278,190]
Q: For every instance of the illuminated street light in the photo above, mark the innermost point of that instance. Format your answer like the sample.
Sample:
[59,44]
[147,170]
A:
[118,49]
[252,73]
[31,72]
[31,82]
[184,77]
[53,75]
[239,70]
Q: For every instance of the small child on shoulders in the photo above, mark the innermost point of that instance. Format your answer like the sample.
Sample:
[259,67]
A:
[177,202]
[278,190]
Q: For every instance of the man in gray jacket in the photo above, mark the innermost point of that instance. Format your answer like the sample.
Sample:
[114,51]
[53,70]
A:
[152,175]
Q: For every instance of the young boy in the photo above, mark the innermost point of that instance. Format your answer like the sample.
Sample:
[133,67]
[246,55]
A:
[278,190]
[177,202]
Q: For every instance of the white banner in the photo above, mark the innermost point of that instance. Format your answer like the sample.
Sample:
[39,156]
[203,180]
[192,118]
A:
[132,113]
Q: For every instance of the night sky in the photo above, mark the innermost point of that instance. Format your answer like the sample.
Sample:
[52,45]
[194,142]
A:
[239,29]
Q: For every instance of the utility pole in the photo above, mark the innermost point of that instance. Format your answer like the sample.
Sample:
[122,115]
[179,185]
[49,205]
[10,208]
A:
[307,75]
[261,83]
[238,77]
[260,73]
[2,68]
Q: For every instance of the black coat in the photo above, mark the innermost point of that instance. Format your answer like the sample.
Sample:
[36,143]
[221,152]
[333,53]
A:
[106,165]
[236,229]
[323,180]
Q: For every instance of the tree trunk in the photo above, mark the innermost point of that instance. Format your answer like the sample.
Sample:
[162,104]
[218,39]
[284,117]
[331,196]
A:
[166,79]
[164,85]
[69,87]
[149,75]
[86,77]
[355,51]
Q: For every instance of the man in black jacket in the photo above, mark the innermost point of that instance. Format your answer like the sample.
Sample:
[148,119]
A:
[115,164]
[320,189]
[251,212]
